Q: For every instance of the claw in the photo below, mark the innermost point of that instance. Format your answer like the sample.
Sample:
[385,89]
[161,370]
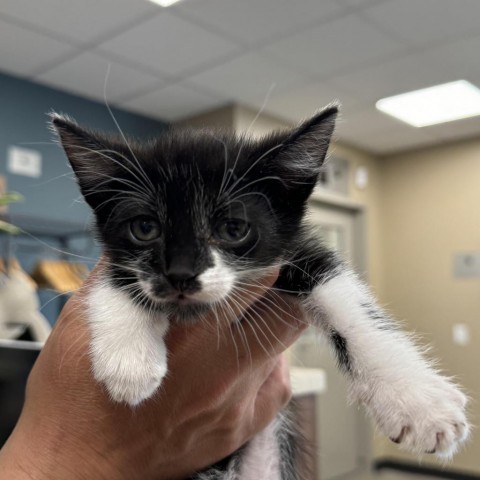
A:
[400,438]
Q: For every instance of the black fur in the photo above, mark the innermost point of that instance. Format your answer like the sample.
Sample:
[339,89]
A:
[190,182]
[341,349]
[310,264]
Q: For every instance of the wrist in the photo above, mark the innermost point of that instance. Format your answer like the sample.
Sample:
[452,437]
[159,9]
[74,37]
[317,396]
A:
[46,453]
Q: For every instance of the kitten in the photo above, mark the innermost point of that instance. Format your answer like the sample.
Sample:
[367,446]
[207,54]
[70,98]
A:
[185,217]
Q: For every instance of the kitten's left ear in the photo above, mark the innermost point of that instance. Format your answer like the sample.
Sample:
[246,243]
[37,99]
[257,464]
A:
[297,157]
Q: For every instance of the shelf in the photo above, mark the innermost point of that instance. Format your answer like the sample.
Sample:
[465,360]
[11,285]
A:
[47,227]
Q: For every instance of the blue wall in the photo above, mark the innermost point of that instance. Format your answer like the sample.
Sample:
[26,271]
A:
[54,196]
[23,122]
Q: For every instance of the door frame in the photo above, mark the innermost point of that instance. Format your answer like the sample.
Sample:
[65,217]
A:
[359,213]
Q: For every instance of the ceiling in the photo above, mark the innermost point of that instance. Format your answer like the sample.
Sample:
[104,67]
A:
[292,56]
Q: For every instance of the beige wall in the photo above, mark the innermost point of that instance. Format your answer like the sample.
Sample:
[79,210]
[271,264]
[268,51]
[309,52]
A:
[220,117]
[430,210]
[370,199]
[249,120]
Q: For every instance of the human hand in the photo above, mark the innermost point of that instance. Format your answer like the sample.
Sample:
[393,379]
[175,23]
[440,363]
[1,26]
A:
[226,382]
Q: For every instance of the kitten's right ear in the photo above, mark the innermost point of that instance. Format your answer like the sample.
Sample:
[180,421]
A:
[95,158]
[85,150]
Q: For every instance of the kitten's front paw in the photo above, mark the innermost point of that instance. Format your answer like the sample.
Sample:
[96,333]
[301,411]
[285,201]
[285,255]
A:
[428,417]
[131,384]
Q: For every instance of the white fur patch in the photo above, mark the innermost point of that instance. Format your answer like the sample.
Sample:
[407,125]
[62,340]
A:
[127,348]
[410,401]
[261,459]
[216,282]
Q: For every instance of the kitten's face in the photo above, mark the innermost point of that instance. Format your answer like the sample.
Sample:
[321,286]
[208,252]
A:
[187,218]
[178,236]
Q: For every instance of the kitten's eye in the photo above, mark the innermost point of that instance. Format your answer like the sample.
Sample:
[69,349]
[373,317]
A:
[145,229]
[233,230]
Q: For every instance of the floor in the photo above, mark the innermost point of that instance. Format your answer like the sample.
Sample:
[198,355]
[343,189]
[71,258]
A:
[396,476]
[388,475]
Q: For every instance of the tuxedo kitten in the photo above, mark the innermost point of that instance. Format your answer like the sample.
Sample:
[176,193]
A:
[188,217]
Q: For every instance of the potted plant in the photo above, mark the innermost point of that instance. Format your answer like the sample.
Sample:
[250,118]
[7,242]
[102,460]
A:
[5,199]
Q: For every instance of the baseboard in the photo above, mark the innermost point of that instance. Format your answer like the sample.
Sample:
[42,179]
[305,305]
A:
[427,471]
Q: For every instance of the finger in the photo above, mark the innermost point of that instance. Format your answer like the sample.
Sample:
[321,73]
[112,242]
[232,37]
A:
[273,395]
[269,328]
[241,299]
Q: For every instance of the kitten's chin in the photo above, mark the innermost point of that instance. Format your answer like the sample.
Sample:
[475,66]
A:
[187,313]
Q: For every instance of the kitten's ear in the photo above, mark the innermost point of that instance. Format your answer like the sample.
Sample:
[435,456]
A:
[93,157]
[297,157]
[84,148]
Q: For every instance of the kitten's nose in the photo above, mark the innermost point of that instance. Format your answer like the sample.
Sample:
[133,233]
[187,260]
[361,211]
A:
[181,277]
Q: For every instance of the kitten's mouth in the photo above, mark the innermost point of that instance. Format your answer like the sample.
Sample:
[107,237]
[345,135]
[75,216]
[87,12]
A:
[183,299]
[180,301]
[180,305]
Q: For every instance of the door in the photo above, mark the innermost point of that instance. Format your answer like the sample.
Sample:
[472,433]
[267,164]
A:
[339,426]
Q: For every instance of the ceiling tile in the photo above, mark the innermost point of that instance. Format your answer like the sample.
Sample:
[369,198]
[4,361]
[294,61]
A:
[460,129]
[23,52]
[335,47]
[393,77]
[248,78]
[85,74]
[234,50]
[172,103]
[169,44]
[427,21]
[302,102]
[460,58]
[359,3]
[82,21]
[251,21]
[388,141]
[367,120]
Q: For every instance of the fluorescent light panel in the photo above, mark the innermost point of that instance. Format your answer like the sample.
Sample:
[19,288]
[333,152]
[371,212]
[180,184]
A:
[433,105]
[164,3]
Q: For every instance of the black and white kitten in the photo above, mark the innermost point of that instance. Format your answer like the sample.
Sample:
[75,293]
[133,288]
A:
[184,219]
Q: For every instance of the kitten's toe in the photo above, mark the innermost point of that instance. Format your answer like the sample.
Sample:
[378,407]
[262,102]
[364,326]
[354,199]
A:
[134,387]
[449,439]
[429,418]
[132,392]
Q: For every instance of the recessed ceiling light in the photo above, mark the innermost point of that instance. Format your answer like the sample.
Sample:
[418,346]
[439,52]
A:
[164,3]
[438,104]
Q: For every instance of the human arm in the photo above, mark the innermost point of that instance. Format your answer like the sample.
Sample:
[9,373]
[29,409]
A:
[223,387]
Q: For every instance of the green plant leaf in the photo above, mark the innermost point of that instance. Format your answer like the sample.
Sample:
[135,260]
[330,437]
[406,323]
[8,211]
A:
[10,197]
[9,228]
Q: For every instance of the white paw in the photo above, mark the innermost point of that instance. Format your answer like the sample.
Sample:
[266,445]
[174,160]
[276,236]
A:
[131,384]
[425,417]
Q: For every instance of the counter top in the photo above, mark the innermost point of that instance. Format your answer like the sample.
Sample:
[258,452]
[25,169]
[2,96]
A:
[308,381]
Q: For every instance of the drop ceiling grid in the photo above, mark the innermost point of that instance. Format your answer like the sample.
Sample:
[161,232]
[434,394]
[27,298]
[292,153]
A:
[89,73]
[272,20]
[426,57]
[23,59]
[80,23]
